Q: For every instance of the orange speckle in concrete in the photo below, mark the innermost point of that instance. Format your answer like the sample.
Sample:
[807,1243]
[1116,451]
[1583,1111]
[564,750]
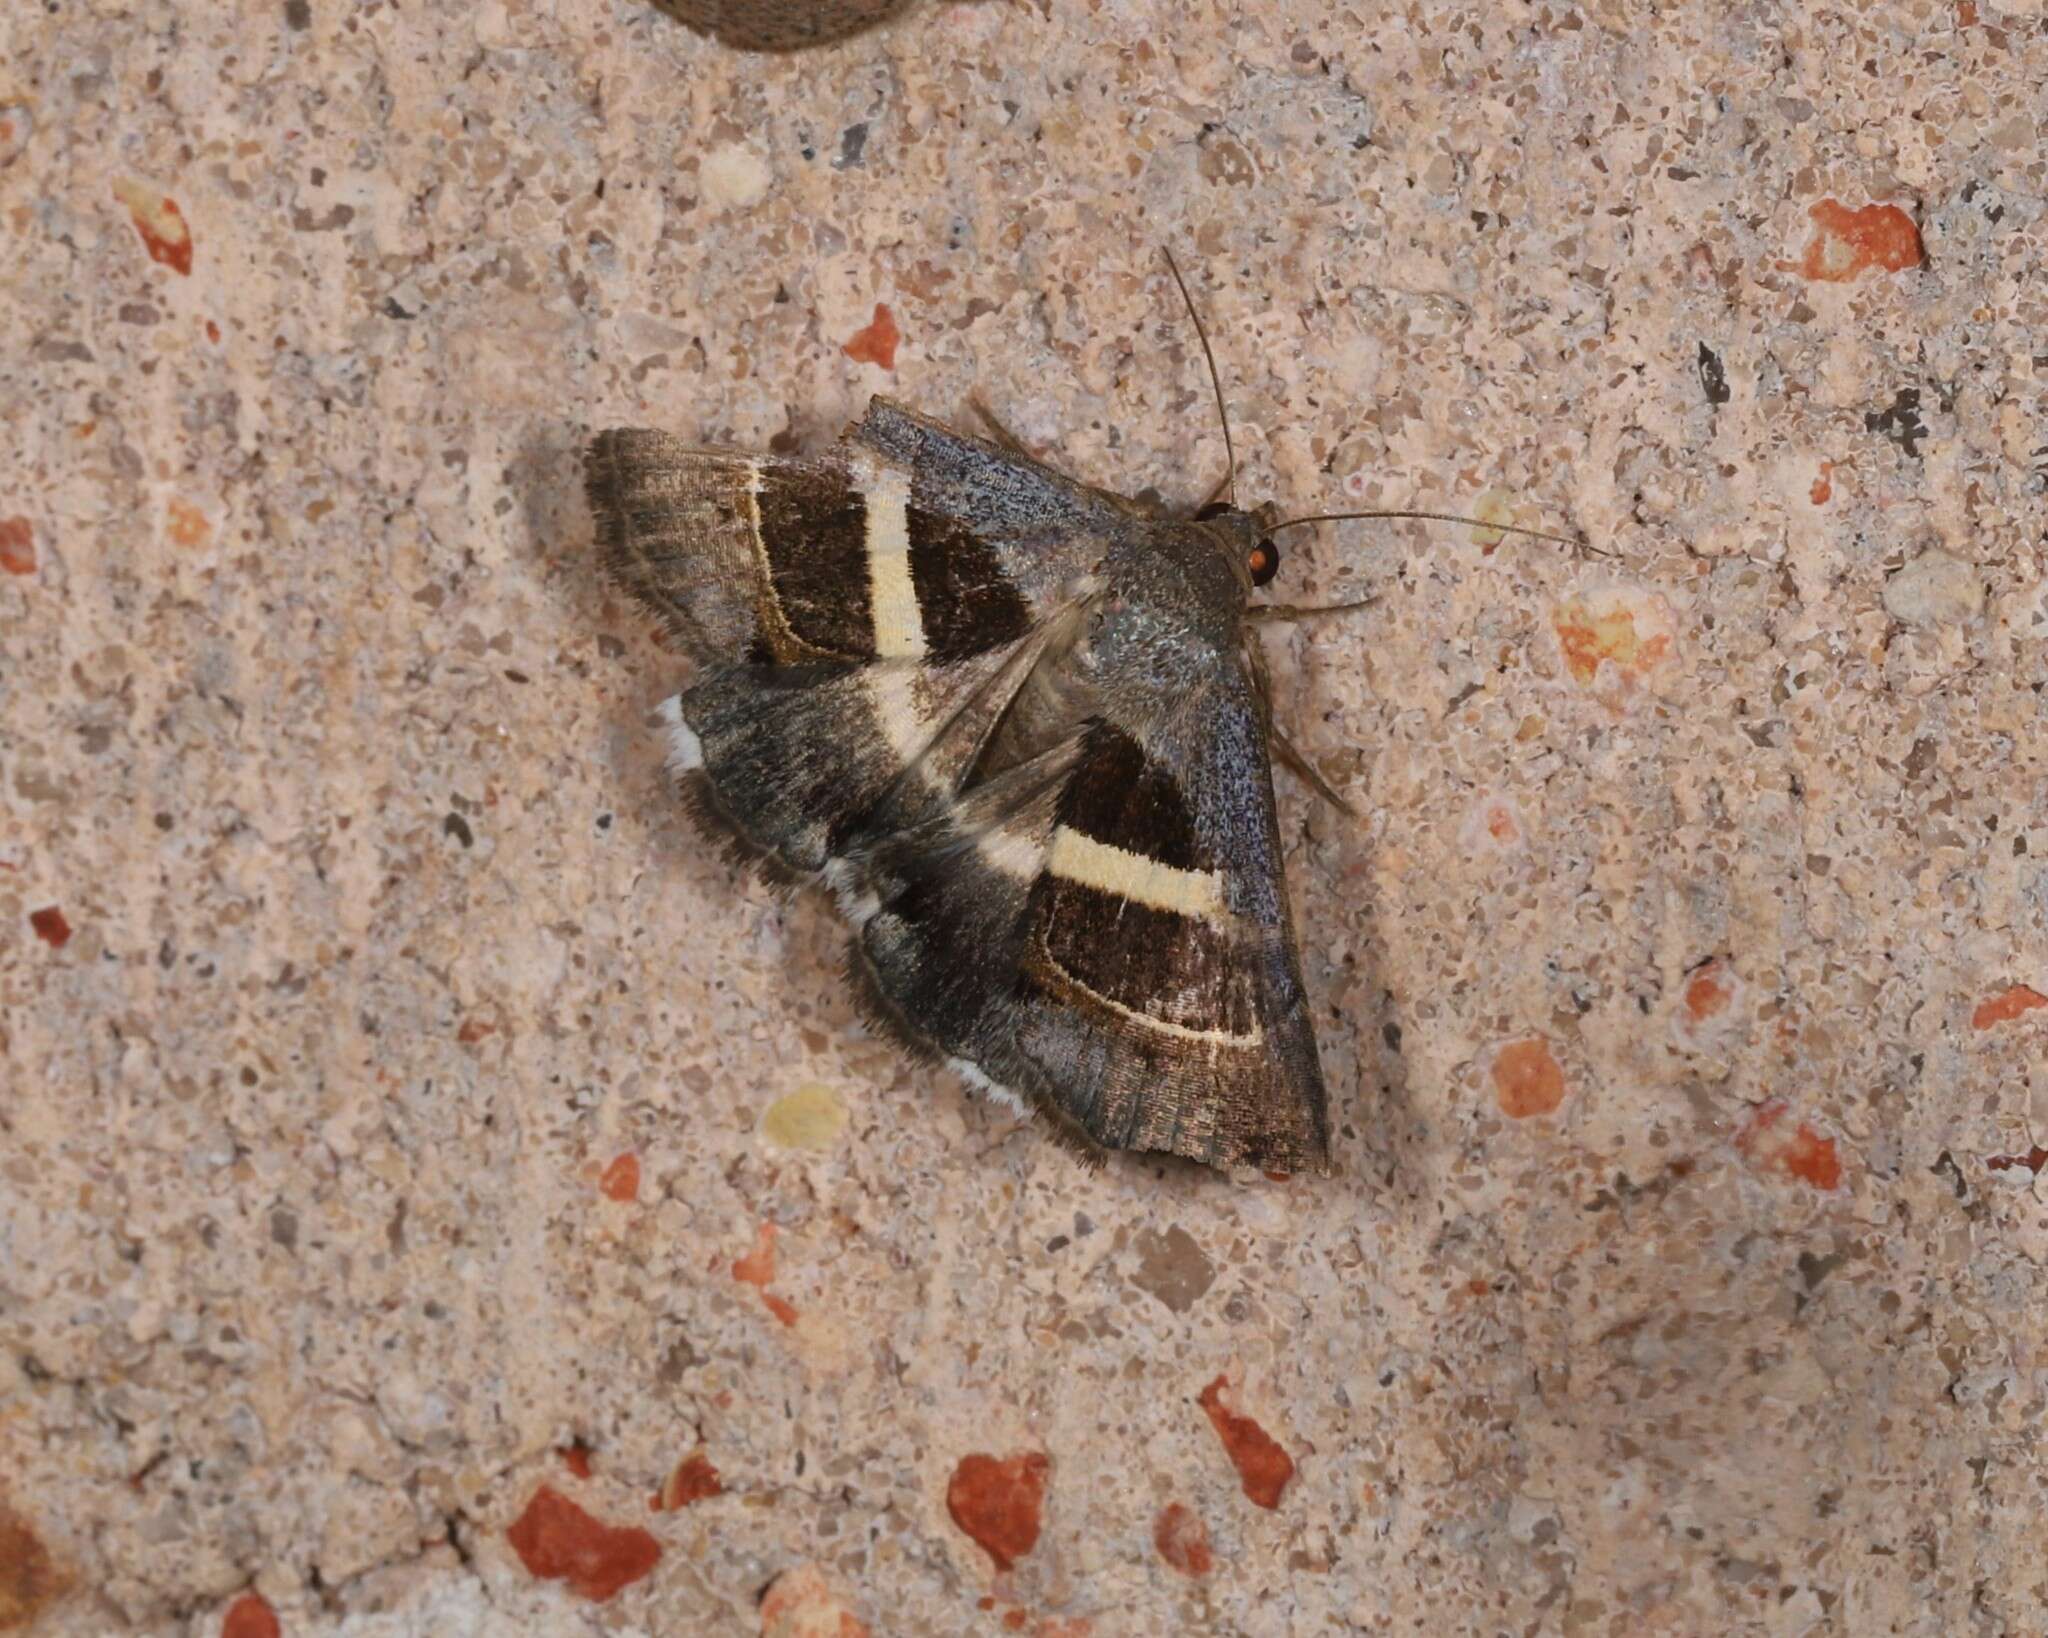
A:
[757,1267]
[2007,1005]
[1823,489]
[1629,632]
[1795,1149]
[186,524]
[1263,1468]
[17,546]
[694,1479]
[50,926]
[161,224]
[250,1616]
[576,1458]
[30,1581]
[2034,1159]
[1016,1619]
[1707,994]
[1848,243]
[557,1541]
[999,1502]
[877,343]
[1183,1540]
[1527,1079]
[800,1603]
[621,1180]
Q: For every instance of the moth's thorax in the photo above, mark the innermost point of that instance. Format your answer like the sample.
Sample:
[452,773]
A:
[1172,600]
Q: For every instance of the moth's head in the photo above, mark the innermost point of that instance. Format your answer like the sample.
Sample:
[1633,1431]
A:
[1244,538]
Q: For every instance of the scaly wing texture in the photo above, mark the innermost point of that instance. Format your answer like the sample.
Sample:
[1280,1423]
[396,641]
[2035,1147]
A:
[1133,972]
[867,615]
[907,541]
[1097,929]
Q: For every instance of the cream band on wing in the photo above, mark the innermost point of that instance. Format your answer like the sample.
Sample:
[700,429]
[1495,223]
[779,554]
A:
[1158,1026]
[899,627]
[1082,859]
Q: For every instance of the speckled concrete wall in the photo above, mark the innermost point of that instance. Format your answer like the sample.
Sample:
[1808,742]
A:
[440,1196]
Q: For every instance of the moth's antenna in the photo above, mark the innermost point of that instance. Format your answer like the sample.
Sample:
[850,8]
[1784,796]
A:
[1215,380]
[1445,517]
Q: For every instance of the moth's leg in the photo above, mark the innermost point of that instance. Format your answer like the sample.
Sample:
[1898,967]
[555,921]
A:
[1300,766]
[1300,611]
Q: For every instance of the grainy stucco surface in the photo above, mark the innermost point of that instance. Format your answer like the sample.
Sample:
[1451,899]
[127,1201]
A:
[1685,1271]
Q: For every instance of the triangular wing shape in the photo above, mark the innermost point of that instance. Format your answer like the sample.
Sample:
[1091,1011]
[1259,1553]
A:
[905,542]
[1103,935]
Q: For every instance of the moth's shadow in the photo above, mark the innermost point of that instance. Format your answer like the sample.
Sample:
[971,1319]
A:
[602,635]
[618,645]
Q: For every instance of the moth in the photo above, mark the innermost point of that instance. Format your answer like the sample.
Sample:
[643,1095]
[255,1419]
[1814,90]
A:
[1020,727]
[780,25]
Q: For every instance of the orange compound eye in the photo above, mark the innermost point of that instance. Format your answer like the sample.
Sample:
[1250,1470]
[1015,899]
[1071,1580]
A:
[1265,562]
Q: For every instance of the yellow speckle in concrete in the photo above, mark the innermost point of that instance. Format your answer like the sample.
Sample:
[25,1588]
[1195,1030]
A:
[811,1117]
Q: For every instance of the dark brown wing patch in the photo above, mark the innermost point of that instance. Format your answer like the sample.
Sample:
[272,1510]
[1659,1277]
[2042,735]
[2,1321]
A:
[967,602]
[813,531]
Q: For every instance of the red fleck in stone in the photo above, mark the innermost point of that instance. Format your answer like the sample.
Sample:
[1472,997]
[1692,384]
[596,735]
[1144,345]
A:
[17,546]
[29,1578]
[1848,243]
[621,1180]
[474,1030]
[250,1616]
[1526,1079]
[1966,14]
[1000,1502]
[557,1541]
[693,1480]
[877,343]
[1183,1540]
[1797,1150]
[1618,628]
[187,526]
[1823,489]
[50,926]
[2007,1005]
[757,1267]
[576,1458]
[1706,995]
[161,224]
[1263,1468]
[1016,1618]
[2034,1159]
[800,1603]
[1278,1177]
[212,331]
